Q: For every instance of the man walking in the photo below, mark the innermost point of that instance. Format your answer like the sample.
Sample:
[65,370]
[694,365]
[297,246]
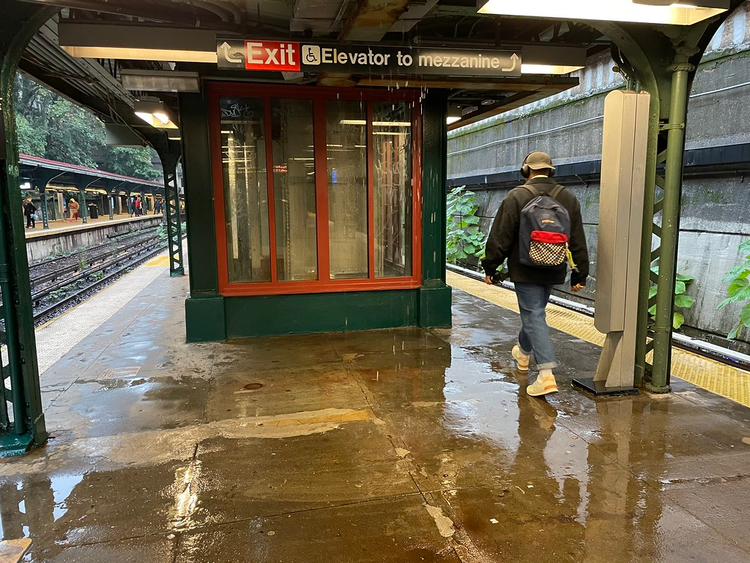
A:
[538,228]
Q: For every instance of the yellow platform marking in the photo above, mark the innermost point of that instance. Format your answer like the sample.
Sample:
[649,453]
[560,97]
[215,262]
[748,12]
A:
[158,261]
[11,551]
[722,379]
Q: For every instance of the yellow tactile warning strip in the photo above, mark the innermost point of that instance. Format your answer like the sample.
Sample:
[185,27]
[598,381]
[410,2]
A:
[722,379]
[158,261]
[11,551]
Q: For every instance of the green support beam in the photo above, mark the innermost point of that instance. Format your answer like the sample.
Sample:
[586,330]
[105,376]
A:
[22,423]
[434,295]
[662,61]
[169,162]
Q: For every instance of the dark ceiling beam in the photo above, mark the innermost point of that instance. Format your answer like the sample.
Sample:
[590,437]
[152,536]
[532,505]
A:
[188,15]
[530,82]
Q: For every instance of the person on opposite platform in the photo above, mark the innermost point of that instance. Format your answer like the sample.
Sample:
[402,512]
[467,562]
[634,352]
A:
[29,210]
[74,209]
[539,230]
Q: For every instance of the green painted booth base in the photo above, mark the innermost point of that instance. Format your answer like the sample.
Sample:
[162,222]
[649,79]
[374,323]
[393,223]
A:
[219,318]
[13,444]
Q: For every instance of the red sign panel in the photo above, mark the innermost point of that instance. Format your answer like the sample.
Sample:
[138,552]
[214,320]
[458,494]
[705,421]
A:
[271,55]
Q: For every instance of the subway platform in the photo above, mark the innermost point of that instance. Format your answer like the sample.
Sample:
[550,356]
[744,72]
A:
[394,446]
[63,226]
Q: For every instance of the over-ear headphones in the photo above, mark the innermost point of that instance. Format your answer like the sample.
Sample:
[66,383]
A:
[526,171]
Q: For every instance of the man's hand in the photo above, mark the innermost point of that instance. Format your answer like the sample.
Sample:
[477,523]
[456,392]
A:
[576,288]
[488,280]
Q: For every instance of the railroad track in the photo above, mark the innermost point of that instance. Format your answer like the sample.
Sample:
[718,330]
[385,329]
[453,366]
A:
[114,268]
[60,283]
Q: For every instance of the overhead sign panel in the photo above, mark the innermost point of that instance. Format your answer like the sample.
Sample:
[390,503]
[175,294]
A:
[292,56]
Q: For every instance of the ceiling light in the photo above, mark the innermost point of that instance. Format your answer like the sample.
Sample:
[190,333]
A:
[154,112]
[452,119]
[548,69]
[376,123]
[645,11]
[160,81]
[107,40]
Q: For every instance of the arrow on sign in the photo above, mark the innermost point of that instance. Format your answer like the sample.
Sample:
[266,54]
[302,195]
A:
[226,51]
[515,59]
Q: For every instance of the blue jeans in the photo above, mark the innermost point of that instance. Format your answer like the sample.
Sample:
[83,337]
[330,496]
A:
[534,335]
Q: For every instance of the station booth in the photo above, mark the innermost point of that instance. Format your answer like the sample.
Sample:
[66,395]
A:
[315,208]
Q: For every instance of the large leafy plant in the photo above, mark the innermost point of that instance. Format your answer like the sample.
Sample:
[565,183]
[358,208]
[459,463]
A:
[681,301]
[463,236]
[739,290]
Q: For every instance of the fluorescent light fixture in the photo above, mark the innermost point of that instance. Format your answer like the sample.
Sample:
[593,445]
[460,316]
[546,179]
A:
[376,123]
[160,81]
[646,11]
[548,69]
[452,119]
[137,54]
[111,40]
[153,112]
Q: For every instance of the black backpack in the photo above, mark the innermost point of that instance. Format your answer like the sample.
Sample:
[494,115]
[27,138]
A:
[544,230]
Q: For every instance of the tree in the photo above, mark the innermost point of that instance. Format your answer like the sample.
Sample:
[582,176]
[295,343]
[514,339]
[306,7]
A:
[128,161]
[73,135]
[31,140]
[52,127]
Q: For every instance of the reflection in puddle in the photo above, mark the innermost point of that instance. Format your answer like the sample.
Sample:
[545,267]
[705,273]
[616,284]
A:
[62,486]
[27,506]
[186,495]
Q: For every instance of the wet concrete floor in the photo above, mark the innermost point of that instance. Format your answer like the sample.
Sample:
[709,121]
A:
[389,446]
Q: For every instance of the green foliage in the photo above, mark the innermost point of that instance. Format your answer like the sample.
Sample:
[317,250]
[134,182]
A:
[52,127]
[463,236]
[738,289]
[58,294]
[161,232]
[29,141]
[73,135]
[131,161]
[681,301]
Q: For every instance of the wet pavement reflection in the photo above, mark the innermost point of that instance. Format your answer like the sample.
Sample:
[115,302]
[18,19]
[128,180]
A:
[386,446]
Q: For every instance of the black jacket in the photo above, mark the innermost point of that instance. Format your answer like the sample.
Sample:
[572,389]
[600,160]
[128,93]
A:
[503,240]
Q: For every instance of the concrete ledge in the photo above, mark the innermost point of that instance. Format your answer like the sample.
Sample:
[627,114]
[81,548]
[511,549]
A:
[40,245]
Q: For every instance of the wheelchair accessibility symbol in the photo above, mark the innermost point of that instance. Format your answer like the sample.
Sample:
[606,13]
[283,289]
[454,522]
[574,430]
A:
[310,55]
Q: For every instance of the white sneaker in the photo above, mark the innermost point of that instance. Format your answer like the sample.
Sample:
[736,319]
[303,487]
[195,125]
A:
[544,385]
[521,359]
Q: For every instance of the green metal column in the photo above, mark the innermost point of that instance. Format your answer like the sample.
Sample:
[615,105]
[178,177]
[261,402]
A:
[205,317]
[662,60]
[642,367]
[670,227]
[435,295]
[45,211]
[83,209]
[172,212]
[22,426]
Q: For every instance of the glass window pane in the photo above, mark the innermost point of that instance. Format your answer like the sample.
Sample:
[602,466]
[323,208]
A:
[294,190]
[391,138]
[346,135]
[243,156]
